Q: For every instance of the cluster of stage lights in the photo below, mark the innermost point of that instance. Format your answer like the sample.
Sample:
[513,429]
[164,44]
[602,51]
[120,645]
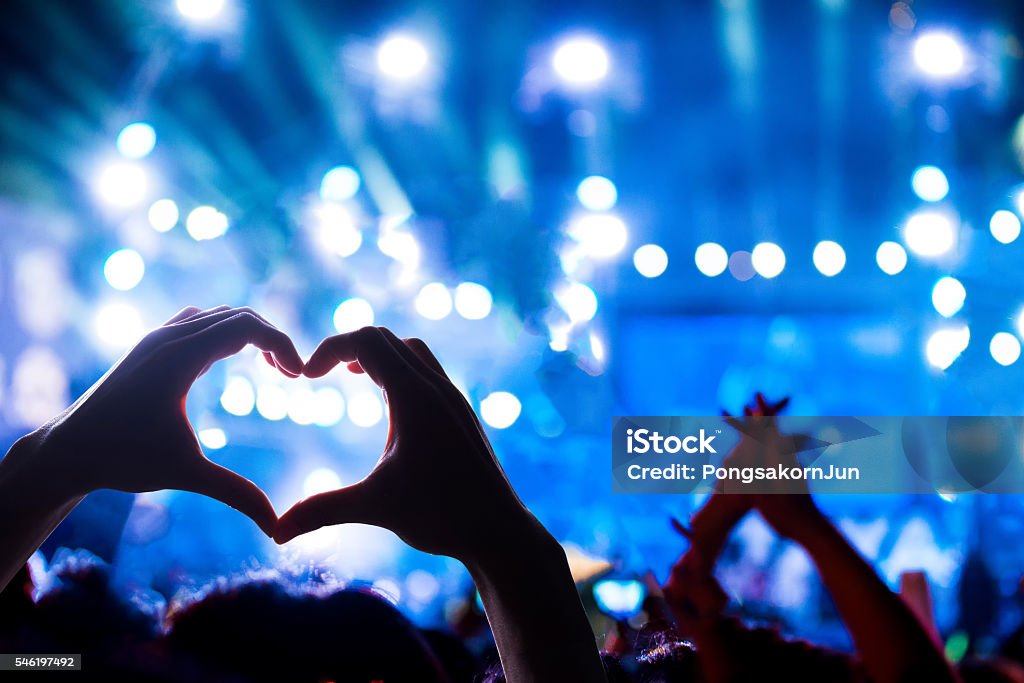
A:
[578,62]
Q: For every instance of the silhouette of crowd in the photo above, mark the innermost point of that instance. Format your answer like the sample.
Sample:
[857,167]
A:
[439,487]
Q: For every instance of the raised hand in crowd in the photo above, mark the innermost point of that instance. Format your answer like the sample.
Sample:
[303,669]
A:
[439,487]
[891,644]
[129,432]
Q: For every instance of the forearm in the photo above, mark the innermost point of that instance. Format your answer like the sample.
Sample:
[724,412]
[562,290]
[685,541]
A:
[30,506]
[535,613]
[890,641]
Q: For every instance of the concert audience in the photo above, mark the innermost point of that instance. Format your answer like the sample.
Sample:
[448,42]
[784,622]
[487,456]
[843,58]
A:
[129,432]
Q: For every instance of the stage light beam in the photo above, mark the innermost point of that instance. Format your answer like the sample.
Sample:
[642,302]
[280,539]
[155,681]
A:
[929,233]
[352,314]
[768,259]
[238,397]
[711,259]
[122,184]
[206,223]
[136,140]
[365,410]
[500,409]
[930,183]
[320,480]
[939,55]
[948,296]
[124,269]
[577,300]
[163,215]
[650,260]
[340,184]
[336,230]
[945,346]
[434,301]
[200,11]
[600,235]
[597,193]
[891,258]
[1004,226]
[1005,348]
[402,58]
[581,62]
[473,301]
[829,258]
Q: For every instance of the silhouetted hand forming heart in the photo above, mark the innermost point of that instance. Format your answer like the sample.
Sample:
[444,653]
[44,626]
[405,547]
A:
[438,485]
[129,432]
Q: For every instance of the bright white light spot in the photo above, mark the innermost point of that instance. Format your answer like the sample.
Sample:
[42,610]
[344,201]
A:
[929,183]
[711,259]
[597,193]
[939,54]
[200,10]
[768,259]
[329,407]
[597,348]
[929,233]
[320,480]
[559,337]
[948,296]
[577,300]
[600,235]
[336,230]
[163,215]
[400,245]
[473,301]
[272,402]
[339,184]
[136,140]
[302,406]
[351,314]
[829,258]
[500,409]
[434,301]
[1005,348]
[945,346]
[402,58]
[422,586]
[1004,226]
[206,223]
[580,61]
[39,387]
[239,397]
[213,438]
[365,409]
[122,184]
[891,257]
[650,260]
[118,325]
[124,269]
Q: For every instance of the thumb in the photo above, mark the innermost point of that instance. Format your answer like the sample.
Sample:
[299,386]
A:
[344,505]
[231,488]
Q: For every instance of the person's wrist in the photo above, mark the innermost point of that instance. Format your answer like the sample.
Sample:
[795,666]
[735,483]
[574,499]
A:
[31,472]
[519,540]
[806,527]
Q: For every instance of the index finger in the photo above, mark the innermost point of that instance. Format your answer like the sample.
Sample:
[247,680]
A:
[369,347]
[231,335]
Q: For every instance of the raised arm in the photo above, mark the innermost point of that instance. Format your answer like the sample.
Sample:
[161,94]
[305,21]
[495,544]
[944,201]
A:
[129,432]
[438,485]
[891,643]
